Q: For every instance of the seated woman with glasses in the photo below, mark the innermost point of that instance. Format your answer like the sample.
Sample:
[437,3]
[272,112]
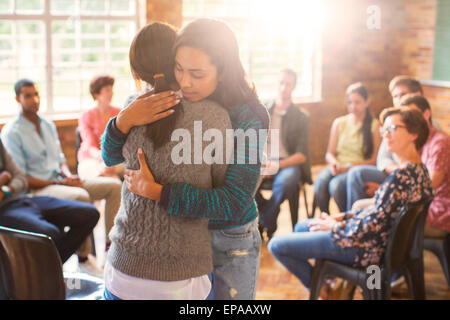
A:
[359,238]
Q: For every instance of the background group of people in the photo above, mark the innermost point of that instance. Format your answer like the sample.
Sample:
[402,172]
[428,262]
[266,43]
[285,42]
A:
[366,177]
[193,231]
[32,144]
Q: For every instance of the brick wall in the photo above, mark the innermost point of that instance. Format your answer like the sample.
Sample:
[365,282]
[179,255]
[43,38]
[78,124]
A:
[67,137]
[439,98]
[165,11]
[352,52]
[417,37]
[417,55]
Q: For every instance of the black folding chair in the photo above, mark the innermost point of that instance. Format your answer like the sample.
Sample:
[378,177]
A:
[31,269]
[404,254]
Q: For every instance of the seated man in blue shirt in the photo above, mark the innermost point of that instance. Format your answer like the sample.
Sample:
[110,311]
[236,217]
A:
[34,145]
[46,215]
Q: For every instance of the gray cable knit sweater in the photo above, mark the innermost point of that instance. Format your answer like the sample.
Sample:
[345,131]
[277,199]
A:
[149,243]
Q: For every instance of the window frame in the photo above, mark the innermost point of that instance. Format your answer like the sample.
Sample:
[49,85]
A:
[47,18]
[316,81]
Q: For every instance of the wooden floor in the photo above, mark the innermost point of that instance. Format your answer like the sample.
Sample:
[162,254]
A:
[275,282]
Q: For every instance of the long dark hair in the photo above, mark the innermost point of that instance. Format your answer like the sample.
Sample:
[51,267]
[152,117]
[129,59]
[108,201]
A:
[217,40]
[152,60]
[366,128]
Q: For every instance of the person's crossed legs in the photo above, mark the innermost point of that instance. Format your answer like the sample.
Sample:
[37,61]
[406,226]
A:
[356,179]
[284,184]
[293,250]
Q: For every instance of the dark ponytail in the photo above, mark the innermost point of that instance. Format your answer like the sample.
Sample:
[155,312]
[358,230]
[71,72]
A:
[367,135]
[152,61]
[366,128]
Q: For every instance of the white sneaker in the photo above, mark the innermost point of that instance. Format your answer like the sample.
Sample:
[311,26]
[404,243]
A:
[91,267]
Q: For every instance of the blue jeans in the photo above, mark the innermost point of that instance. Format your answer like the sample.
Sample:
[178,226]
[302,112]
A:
[284,184]
[356,177]
[236,262]
[326,186]
[293,250]
[49,216]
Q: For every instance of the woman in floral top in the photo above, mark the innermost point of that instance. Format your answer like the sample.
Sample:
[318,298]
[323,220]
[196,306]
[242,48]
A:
[359,238]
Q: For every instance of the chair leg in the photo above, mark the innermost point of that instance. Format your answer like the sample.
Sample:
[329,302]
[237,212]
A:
[441,249]
[6,282]
[93,251]
[415,278]
[293,206]
[306,202]
[385,293]
[352,293]
[382,293]
[443,254]
[317,280]
[445,260]
[314,207]
[409,282]
[367,294]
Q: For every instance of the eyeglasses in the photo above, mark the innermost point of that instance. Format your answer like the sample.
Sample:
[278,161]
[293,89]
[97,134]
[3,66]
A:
[391,129]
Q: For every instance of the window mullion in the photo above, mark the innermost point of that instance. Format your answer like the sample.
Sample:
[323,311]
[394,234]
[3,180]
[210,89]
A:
[57,94]
[137,4]
[49,65]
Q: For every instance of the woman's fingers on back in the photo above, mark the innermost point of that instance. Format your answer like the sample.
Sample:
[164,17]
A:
[146,95]
[166,103]
[163,115]
[156,97]
[154,107]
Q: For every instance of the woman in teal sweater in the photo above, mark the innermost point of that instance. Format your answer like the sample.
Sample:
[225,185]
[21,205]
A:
[231,207]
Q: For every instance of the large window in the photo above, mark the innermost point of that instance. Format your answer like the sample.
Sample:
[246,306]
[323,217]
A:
[272,35]
[62,44]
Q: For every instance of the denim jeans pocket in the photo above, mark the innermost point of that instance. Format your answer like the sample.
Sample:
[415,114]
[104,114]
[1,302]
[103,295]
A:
[237,233]
[243,238]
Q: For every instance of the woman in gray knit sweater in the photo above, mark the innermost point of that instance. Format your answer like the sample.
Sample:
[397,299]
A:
[155,255]
[230,207]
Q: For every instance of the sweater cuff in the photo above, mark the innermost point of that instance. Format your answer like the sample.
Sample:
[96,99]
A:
[116,133]
[165,194]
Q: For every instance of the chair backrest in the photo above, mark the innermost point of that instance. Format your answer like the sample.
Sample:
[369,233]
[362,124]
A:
[30,266]
[406,238]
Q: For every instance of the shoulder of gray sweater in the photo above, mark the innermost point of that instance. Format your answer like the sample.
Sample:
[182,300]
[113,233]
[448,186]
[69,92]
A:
[207,110]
